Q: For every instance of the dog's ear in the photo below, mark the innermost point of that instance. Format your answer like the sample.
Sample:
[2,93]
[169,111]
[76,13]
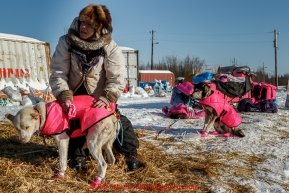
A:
[206,91]
[202,84]
[9,116]
[199,86]
[41,108]
[34,116]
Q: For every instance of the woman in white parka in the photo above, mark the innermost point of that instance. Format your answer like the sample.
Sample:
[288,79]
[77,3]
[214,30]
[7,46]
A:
[88,62]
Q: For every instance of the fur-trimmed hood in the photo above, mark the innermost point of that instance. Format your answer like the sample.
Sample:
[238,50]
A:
[94,43]
[98,16]
[101,70]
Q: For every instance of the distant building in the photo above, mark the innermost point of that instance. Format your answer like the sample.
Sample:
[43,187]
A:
[209,68]
[153,75]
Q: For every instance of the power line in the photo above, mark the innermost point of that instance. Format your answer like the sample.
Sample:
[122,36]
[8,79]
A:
[125,41]
[258,33]
[197,42]
[202,34]
[209,42]
[131,34]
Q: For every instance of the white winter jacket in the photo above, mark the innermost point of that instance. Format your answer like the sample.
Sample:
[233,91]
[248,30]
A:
[107,76]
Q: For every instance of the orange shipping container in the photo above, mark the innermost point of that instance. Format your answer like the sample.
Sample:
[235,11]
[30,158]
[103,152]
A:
[152,75]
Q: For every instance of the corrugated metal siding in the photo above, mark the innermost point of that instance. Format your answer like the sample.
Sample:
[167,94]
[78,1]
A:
[151,77]
[131,64]
[24,60]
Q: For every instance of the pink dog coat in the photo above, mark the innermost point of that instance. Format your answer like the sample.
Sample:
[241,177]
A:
[224,110]
[58,122]
[181,108]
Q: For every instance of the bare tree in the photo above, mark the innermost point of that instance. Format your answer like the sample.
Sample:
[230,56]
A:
[172,64]
[197,64]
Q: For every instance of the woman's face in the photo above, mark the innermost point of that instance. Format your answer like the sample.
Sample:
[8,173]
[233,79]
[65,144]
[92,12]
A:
[85,30]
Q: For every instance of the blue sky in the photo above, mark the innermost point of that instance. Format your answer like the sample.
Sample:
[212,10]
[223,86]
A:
[217,31]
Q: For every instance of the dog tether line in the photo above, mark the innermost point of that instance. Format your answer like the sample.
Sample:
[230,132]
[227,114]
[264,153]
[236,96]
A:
[119,125]
[162,130]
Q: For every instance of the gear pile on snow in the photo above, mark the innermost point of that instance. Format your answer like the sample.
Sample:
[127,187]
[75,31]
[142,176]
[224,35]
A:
[16,96]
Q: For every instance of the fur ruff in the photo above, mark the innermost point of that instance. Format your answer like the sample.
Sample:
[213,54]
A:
[85,45]
[111,96]
[65,95]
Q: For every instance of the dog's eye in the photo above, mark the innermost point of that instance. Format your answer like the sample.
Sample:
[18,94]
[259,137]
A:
[27,127]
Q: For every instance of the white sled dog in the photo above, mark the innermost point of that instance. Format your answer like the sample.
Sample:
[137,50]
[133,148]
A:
[102,135]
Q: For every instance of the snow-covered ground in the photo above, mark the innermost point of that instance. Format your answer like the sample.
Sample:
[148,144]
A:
[267,134]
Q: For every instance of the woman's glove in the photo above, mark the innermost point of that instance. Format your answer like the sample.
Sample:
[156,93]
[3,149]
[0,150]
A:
[65,99]
[105,100]
[102,102]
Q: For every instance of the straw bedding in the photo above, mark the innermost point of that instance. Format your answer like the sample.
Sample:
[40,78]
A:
[165,161]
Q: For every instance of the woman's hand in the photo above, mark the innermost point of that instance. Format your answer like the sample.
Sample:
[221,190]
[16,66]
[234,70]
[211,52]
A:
[99,104]
[102,102]
[65,106]
[65,99]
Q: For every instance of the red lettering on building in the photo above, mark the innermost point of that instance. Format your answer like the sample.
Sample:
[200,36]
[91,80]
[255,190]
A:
[17,73]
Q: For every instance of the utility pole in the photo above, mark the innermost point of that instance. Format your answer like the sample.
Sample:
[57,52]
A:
[152,56]
[276,46]
[263,73]
[190,64]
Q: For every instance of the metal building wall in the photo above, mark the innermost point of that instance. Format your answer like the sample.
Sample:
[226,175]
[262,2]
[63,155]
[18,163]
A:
[24,61]
[131,65]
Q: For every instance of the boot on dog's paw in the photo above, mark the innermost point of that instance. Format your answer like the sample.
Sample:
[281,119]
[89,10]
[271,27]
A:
[203,133]
[165,110]
[227,135]
[58,176]
[96,183]
[214,133]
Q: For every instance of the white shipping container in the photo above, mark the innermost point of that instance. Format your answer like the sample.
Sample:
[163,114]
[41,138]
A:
[23,60]
[131,64]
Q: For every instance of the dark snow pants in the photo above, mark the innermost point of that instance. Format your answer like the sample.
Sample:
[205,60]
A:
[126,135]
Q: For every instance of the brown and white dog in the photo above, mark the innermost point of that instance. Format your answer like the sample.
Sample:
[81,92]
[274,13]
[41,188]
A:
[29,119]
[218,112]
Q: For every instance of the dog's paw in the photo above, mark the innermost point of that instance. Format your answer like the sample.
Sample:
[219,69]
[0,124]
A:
[95,184]
[203,133]
[214,133]
[226,135]
[57,176]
